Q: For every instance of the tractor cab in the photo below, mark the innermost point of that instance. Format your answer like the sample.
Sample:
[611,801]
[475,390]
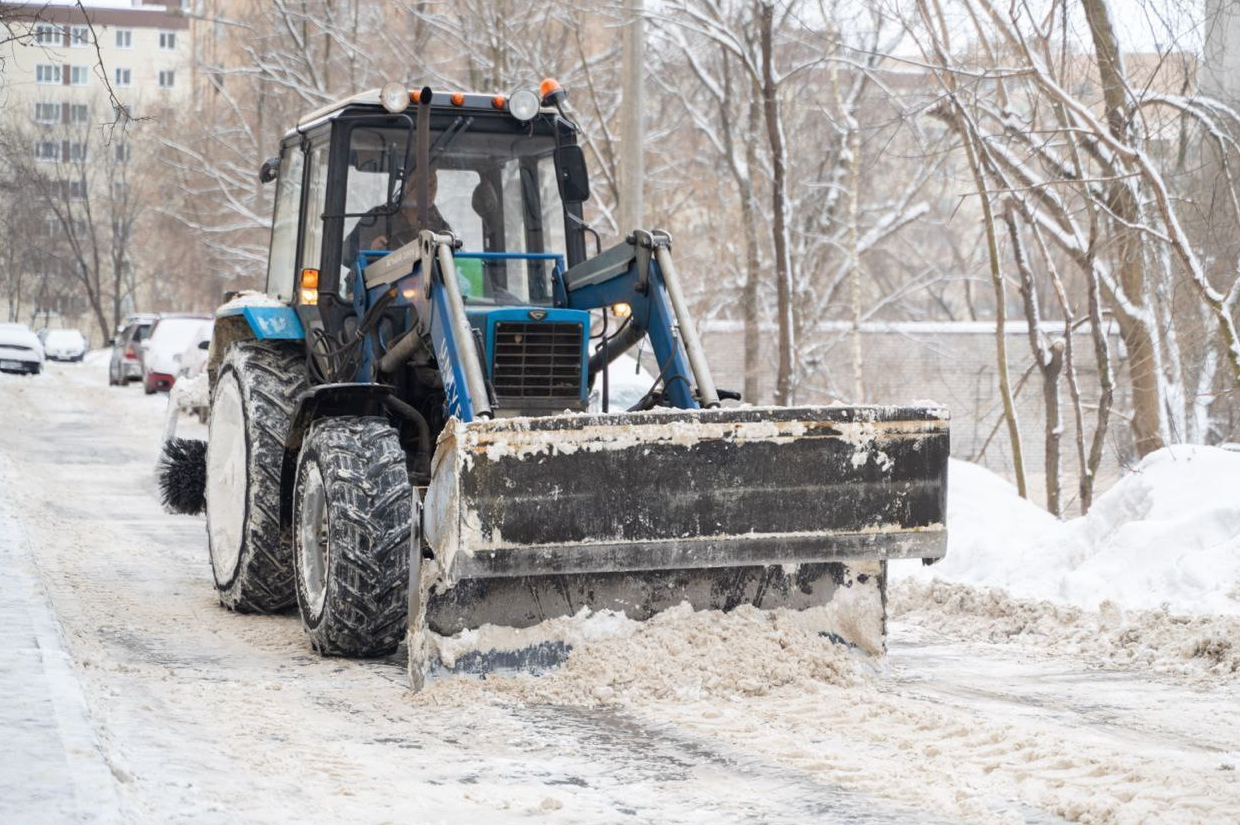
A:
[505,181]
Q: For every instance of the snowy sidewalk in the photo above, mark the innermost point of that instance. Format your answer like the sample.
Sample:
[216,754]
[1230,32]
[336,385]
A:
[53,769]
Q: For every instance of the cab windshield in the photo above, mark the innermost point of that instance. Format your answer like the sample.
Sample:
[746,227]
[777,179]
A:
[496,191]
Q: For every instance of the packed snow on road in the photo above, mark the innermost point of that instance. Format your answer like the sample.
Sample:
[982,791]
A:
[1045,671]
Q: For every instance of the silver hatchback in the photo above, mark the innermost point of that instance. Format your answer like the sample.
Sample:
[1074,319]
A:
[126,363]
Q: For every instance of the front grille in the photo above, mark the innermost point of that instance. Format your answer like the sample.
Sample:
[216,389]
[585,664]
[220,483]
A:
[537,361]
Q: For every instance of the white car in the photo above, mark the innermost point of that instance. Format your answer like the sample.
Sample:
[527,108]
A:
[20,350]
[64,345]
[161,352]
[627,384]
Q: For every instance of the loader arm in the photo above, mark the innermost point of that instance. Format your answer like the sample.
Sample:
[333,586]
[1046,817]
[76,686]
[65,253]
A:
[638,272]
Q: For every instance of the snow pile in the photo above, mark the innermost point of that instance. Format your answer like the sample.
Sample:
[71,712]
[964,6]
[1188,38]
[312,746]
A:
[679,654]
[1167,535]
[1192,647]
[188,393]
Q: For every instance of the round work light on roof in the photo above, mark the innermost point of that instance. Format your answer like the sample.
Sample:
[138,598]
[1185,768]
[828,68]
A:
[523,105]
[394,97]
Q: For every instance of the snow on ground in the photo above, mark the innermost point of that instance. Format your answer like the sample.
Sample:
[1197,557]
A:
[1149,578]
[1147,582]
[1195,648]
[1167,534]
[121,671]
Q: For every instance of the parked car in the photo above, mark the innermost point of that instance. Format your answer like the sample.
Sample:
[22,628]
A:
[126,363]
[64,345]
[20,350]
[161,352]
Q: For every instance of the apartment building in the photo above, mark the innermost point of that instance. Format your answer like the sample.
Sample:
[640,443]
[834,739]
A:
[65,69]
[56,74]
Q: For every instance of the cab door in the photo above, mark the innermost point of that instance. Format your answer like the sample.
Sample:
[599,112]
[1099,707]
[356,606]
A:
[285,223]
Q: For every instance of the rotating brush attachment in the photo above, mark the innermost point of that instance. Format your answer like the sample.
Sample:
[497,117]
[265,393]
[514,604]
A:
[182,474]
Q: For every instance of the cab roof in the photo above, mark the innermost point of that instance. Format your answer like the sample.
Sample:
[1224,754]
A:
[370,97]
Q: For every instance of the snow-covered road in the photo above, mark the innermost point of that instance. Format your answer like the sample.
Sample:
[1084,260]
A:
[127,694]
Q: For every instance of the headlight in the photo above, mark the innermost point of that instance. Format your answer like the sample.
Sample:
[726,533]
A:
[394,97]
[523,105]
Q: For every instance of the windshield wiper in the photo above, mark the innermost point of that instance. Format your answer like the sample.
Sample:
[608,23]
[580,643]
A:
[448,137]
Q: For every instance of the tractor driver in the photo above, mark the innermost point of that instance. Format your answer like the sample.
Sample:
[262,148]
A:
[379,231]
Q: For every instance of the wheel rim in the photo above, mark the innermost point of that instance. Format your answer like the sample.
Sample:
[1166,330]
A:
[313,547]
[227,478]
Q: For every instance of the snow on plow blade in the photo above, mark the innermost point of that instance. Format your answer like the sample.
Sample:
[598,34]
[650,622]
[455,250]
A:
[531,518]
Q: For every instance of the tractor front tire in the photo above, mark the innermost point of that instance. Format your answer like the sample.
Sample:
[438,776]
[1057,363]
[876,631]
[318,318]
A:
[352,517]
[252,405]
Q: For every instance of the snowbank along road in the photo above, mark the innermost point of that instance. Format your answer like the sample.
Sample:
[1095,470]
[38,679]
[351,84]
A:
[127,694]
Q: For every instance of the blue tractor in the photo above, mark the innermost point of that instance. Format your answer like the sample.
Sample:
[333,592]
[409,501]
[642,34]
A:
[401,441]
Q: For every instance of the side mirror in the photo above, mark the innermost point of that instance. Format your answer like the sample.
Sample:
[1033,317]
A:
[270,170]
[570,163]
[204,344]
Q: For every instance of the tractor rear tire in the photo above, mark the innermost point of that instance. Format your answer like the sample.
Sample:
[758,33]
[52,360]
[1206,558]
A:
[352,517]
[252,405]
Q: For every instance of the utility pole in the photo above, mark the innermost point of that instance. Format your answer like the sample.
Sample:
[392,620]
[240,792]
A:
[632,129]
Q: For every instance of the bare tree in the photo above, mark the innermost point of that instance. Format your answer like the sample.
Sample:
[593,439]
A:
[78,180]
[1090,188]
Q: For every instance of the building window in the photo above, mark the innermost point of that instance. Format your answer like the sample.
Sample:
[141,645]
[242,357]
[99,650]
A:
[47,112]
[78,75]
[77,150]
[124,77]
[79,113]
[166,78]
[45,34]
[47,73]
[124,38]
[47,151]
[167,41]
[123,153]
[77,190]
[79,36]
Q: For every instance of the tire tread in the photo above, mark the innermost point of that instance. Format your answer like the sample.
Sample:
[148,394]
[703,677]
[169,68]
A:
[369,502]
[271,376]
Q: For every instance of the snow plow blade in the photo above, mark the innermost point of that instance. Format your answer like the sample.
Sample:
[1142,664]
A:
[532,518]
